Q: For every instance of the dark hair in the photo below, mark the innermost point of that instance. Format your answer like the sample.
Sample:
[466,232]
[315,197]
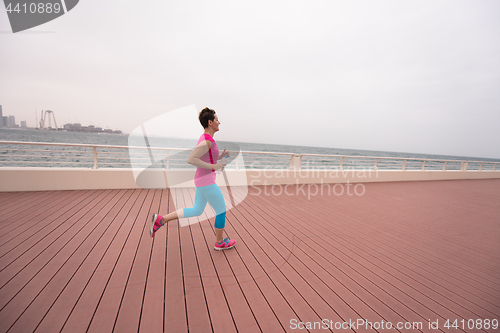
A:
[205,115]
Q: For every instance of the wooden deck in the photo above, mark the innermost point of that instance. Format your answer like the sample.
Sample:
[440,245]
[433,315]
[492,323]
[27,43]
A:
[410,252]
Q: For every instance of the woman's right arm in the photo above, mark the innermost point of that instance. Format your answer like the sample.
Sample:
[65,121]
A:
[198,152]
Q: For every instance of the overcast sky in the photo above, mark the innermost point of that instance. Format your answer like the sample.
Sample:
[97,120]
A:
[404,76]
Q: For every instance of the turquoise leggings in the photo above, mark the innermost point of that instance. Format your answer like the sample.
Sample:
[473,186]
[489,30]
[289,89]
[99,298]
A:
[213,195]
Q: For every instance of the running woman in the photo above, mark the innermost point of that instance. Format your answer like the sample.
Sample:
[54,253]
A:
[204,157]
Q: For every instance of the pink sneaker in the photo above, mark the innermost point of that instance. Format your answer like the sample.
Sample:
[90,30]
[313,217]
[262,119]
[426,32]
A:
[226,244]
[155,224]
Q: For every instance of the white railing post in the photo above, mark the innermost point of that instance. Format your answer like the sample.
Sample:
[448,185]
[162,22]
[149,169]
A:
[404,165]
[423,165]
[481,166]
[168,159]
[463,166]
[94,149]
[341,161]
[494,165]
[444,165]
[375,165]
[296,162]
[237,160]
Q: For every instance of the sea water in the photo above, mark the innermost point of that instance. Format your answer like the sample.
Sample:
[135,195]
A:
[27,135]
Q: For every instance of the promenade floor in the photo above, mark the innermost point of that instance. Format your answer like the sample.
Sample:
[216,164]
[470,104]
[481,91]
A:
[408,253]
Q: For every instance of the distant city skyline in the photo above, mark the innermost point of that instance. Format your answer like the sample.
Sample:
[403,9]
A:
[9,122]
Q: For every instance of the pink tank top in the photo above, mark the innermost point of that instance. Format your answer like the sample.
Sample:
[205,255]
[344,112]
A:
[204,177]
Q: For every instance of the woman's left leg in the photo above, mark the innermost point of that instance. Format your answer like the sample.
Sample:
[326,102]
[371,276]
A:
[216,200]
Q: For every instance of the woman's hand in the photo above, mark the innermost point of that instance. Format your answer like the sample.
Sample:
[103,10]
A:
[219,166]
[224,153]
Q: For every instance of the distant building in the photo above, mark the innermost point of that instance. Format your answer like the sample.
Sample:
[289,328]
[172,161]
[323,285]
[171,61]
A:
[12,121]
[23,124]
[76,127]
[91,129]
[1,117]
[5,121]
[88,129]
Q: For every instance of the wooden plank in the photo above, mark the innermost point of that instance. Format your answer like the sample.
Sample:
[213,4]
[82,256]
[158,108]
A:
[426,265]
[152,313]
[306,254]
[262,311]
[12,198]
[29,244]
[126,283]
[266,263]
[132,302]
[423,278]
[401,250]
[331,290]
[17,275]
[105,288]
[175,315]
[383,300]
[248,306]
[217,294]
[11,208]
[93,246]
[17,199]
[104,255]
[198,317]
[54,261]
[7,196]
[434,208]
[448,212]
[35,217]
[291,204]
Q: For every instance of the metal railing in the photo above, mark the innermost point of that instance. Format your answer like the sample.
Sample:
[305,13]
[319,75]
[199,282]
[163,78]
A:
[16,153]
[392,163]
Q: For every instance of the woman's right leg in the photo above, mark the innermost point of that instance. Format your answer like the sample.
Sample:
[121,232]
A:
[200,202]
[199,206]
[178,214]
